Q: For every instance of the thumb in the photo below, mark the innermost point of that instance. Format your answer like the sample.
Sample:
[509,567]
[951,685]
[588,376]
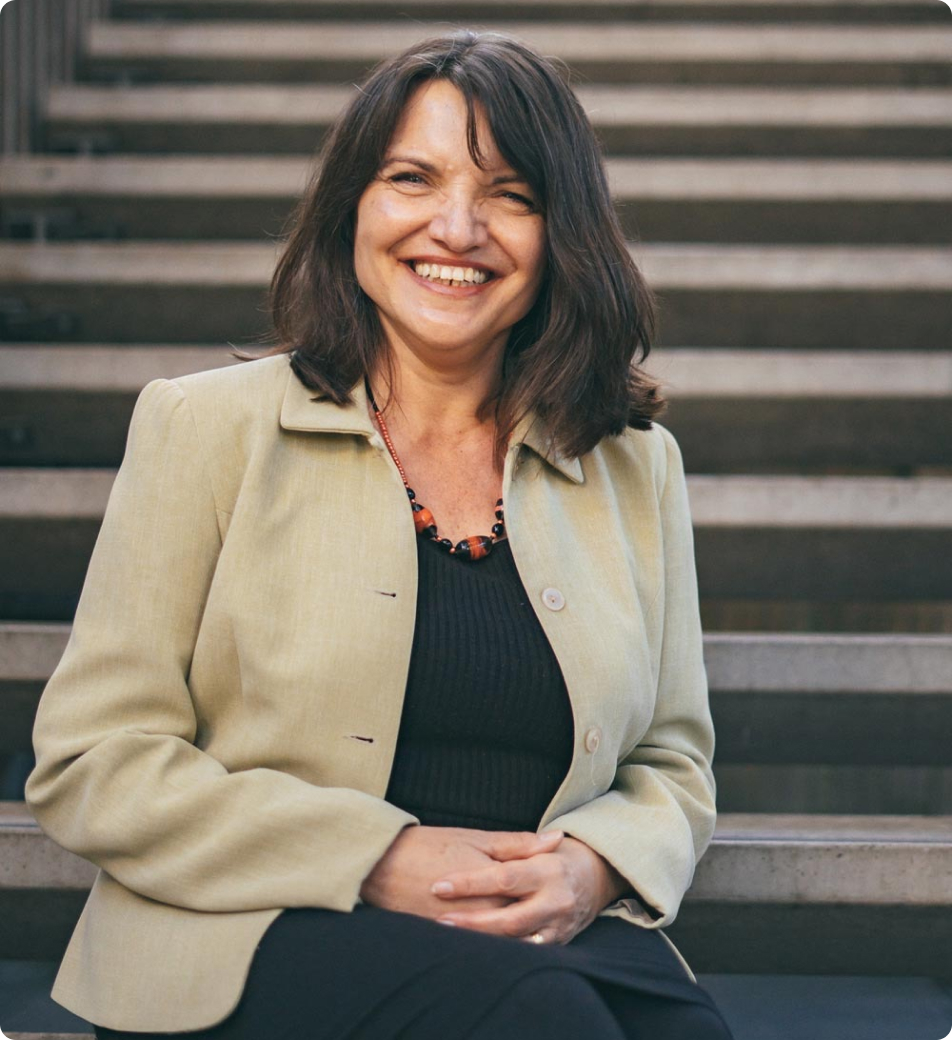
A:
[505,845]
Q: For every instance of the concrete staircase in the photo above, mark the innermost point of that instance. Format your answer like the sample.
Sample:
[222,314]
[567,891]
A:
[784,171]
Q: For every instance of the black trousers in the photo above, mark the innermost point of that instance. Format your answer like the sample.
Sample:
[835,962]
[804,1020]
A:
[378,975]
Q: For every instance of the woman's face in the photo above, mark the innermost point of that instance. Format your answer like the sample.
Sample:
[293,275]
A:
[452,255]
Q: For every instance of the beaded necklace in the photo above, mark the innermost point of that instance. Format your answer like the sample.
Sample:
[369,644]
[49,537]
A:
[474,548]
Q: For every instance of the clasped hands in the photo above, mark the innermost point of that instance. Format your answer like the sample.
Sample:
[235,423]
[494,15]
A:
[517,884]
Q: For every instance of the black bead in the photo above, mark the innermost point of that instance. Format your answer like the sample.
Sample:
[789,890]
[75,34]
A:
[499,514]
[499,530]
[445,542]
[411,494]
[416,507]
[429,532]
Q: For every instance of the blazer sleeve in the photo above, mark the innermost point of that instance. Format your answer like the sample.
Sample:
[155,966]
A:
[657,819]
[119,778]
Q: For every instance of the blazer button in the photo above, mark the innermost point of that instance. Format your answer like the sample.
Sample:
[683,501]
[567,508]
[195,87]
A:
[553,599]
[592,739]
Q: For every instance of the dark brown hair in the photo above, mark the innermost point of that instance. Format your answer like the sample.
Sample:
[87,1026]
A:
[572,358]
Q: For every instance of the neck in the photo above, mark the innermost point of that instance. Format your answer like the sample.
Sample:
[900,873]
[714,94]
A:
[422,403]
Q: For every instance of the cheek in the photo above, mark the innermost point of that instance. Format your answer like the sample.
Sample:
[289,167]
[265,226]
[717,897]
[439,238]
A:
[382,223]
[534,255]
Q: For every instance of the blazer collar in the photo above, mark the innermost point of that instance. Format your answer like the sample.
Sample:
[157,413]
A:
[301,410]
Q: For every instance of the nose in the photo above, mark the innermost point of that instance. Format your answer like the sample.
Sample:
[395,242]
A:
[458,222]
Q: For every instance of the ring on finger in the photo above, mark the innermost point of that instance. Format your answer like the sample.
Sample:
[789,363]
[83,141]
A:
[537,937]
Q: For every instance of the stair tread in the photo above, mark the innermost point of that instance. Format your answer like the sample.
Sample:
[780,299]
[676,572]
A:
[686,372]
[753,857]
[736,661]
[309,105]
[248,176]
[543,5]
[666,265]
[881,829]
[910,503]
[606,41]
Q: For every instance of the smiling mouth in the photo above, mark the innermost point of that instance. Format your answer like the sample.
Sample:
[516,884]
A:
[444,274]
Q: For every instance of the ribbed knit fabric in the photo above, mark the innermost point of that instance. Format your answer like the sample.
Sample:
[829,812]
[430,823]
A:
[487,731]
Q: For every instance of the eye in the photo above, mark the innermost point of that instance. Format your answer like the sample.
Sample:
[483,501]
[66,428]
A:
[407,177]
[522,200]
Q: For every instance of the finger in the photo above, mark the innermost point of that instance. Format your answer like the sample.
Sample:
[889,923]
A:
[517,920]
[513,879]
[506,845]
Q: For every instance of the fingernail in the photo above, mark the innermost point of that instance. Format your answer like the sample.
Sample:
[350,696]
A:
[446,921]
[553,834]
[442,888]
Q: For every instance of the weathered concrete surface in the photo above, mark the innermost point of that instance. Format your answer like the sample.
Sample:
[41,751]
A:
[314,106]
[688,374]
[284,177]
[104,368]
[786,269]
[833,859]
[920,503]
[711,295]
[692,375]
[617,52]
[754,858]
[784,663]
[762,538]
[643,120]
[824,502]
[71,405]
[736,662]
[893,11]
[31,860]
[258,40]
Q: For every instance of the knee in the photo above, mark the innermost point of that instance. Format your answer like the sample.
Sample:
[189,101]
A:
[559,991]
[556,1003]
[679,1021]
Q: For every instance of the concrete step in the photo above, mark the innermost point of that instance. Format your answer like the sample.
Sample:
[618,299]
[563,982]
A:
[757,1007]
[69,405]
[841,870]
[785,54]
[777,698]
[831,724]
[788,700]
[662,200]
[804,616]
[28,655]
[781,705]
[874,122]
[861,789]
[713,295]
[466,12]
[823,539]
[835,400]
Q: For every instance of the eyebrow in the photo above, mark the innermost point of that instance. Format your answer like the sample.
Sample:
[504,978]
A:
[504,178]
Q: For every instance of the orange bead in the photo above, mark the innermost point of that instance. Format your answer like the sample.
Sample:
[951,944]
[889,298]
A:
[474,548]
[422,519]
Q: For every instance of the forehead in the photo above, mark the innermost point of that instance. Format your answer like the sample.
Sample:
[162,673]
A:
[434,121]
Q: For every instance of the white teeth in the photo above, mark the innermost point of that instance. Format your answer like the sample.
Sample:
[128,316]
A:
[450,275]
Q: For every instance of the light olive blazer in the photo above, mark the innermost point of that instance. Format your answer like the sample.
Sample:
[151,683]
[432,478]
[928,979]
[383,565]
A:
[219,734]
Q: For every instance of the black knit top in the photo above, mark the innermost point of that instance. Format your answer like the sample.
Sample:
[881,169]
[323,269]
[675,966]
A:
[486,734]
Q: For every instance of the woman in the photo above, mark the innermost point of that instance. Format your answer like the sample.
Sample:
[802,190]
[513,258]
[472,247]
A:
[403,634]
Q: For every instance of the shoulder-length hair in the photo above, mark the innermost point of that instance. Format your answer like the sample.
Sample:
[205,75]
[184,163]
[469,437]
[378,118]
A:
[573,359]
